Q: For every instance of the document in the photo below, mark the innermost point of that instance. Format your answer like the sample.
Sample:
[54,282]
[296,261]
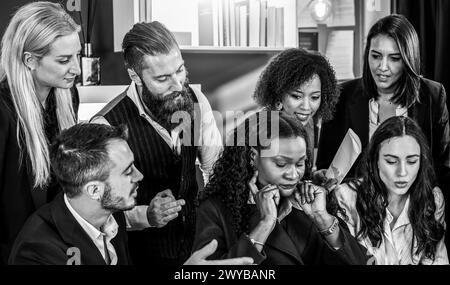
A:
[346,155]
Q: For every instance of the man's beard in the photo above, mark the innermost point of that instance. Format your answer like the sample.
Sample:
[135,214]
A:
[163,108]
[113,203]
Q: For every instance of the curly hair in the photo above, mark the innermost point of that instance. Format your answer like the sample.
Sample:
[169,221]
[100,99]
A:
[233,170]
[372,198]
[289,70]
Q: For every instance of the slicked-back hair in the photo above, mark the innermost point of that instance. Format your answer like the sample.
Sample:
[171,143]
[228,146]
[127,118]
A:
[146,39]
[398,28]
[289,70]
[79,155]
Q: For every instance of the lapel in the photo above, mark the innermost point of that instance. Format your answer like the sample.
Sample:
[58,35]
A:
[359,116]
[278,239]
[73,234]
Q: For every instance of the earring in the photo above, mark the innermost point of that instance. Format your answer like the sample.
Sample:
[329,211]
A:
[278,106]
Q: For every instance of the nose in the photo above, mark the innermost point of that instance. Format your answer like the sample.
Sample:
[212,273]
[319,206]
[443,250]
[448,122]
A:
[292,173]
[176,83]
[401,169]
[138,175]
[305,103]
[75,68]
[384,64]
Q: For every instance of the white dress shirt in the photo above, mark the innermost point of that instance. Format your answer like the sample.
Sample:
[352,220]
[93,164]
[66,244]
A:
[209,144]
[373,115]
[110,229]
[396,243]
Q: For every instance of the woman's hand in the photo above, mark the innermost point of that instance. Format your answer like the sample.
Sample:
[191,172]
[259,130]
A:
[319,178]
[312,199]
[266,199]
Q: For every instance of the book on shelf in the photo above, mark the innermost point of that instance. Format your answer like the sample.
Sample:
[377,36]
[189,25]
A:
[263,24]
[279,27]
[243,31]
[205,23]
[271,26]
[254,14]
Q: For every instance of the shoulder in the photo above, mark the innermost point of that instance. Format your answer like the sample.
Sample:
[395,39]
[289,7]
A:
[438,198]
[351,86]
[431,88]
[111,105]
[346,196]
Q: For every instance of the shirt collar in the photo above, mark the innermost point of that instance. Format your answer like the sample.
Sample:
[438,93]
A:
[110,228]
[374,108]
[402,219]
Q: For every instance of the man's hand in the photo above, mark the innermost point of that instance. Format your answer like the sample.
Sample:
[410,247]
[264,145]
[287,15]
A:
[199,257]
[163,208]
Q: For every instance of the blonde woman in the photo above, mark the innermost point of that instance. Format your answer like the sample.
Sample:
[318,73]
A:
[39,63]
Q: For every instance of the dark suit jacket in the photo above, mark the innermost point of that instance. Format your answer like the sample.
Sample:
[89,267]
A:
[294,241]
[52,230]
[18,199]
[352,111]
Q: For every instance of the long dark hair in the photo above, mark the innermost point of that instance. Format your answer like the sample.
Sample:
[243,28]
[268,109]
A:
[403,33]
[292,68]
[233,170]
[372,198]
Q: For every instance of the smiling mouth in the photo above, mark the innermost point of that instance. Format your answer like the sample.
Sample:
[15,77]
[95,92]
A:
[302,117]
[287,187]
[383,77]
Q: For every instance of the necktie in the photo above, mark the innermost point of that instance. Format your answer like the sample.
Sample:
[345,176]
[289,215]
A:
[105,246]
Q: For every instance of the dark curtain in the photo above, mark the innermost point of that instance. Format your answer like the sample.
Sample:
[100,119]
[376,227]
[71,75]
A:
[431,19]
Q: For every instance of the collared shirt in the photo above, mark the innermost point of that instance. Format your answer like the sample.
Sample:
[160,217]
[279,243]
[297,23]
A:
[396,243]
[209,146]
[110,229]
[373,115]
[284,209]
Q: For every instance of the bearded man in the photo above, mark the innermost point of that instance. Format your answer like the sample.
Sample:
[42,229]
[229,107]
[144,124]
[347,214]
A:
[170,125]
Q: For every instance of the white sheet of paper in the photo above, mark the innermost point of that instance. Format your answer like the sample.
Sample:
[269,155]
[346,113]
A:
[346,155]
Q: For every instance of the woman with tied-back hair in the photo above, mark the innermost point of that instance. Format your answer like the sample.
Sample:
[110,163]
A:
[251,204]
[394,208]
[39,63]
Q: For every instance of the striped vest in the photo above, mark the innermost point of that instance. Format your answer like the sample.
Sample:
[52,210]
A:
[162,169]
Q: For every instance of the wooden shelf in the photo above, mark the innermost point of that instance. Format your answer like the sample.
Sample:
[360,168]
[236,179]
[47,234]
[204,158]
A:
[211,49]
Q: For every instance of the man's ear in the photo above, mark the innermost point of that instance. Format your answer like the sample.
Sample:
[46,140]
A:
[94,189]
[30,60]
[134,76]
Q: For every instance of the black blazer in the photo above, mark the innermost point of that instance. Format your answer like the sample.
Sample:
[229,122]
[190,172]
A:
[18,199]
[352,111]
[294,241]
[52,230]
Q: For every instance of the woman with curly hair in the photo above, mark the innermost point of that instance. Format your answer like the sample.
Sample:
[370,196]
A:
[300,83]
[394,210]
[251,205]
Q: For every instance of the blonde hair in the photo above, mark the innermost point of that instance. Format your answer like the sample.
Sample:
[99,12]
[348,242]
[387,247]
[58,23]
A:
[33,29]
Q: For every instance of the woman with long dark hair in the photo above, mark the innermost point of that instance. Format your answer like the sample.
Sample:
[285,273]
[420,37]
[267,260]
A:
[251,205]
[394,209]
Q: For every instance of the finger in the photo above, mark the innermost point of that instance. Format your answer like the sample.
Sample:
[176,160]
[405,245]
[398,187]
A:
[252,183]
[311,190]
[269,188]
[171,211]
[170,218]
[207,250]
[302,193]
[162,201]
[166,193]
[276,197]
[173,204]
[232,261]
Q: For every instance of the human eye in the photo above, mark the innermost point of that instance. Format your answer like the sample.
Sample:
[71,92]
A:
[391,161]
[64,61]
[296,96]
[412,161]
[161,79]
[396,58]
[181,69]
[315,97]
[375,56]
